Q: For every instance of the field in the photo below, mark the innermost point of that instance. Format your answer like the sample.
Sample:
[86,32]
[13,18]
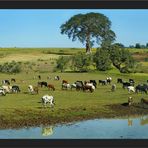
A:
[23,109]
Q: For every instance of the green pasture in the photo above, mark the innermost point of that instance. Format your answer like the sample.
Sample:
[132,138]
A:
[24,109]
[70,104]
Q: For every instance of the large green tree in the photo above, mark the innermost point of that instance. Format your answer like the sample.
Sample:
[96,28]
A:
[88,29]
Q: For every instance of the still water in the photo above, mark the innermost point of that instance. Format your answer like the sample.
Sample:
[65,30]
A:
[130,128]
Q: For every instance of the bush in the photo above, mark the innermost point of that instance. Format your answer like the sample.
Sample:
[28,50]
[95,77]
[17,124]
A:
[11,67]
[81,62]
[62,63]
[102,60]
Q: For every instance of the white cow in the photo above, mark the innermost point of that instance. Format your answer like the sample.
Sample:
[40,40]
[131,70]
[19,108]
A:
[30,89]
[48,99]
[7,89]
[131,88]
[91,84]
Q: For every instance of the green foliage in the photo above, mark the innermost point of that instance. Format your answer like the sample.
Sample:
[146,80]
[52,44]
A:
[89,28]
[102,60]
[62,63]
[81,62]
[122,59]
[11,67]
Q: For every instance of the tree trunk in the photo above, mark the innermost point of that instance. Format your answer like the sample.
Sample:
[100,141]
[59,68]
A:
[88,49]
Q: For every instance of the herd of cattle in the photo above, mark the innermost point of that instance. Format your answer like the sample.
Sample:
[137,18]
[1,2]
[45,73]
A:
[90,86]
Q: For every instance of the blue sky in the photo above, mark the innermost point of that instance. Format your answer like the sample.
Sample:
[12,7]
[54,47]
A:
[41,28]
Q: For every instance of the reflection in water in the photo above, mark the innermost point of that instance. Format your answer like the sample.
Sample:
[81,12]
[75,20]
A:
[144,120]
[130,122]
[47,131]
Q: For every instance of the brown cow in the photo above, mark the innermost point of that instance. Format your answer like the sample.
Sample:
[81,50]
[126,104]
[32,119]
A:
[51,87]
[65,81]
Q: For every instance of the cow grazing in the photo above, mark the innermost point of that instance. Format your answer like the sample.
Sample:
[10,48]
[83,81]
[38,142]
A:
[7,89]
[79,85]
[109,80]
[119,80]
[15,89]
[125,84]
[131,88]
[141,88]
[48,99]
[39,77]
[2,92]
[43,83]
[57,78]
[64,81]
[94,83]
[5,82]
[89,86]
[33,90]
[13,80]
[74,85]
[51,87]
[113,87]
[66,86]
[103,82]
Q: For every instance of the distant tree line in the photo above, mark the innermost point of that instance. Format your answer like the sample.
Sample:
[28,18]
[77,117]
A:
[139,46]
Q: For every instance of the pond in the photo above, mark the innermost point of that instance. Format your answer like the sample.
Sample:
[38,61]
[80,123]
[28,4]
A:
[131,128]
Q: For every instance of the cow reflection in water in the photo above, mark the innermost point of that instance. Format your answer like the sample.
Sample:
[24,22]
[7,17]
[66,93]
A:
[130,122]
[144,120]
[47,131]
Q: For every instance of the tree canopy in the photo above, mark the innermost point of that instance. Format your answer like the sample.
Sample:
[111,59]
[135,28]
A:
[88,29]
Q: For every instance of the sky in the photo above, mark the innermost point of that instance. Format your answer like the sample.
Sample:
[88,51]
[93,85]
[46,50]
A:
[41,27]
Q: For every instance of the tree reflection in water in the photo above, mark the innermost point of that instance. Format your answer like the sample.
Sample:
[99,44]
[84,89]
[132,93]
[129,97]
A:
[47,131]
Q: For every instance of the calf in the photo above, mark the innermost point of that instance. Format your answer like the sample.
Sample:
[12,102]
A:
[113,87]
[13,80]
[57,78]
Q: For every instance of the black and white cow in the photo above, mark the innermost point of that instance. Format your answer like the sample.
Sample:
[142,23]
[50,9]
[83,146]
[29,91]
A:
[43,83]
[119,80]
[15,89]
[5,82]
[94,83]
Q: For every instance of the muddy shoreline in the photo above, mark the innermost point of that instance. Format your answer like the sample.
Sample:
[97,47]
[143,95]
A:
[113,111]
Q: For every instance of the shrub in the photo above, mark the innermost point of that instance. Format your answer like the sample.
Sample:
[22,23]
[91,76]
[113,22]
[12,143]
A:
[11,67]
[102,60]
